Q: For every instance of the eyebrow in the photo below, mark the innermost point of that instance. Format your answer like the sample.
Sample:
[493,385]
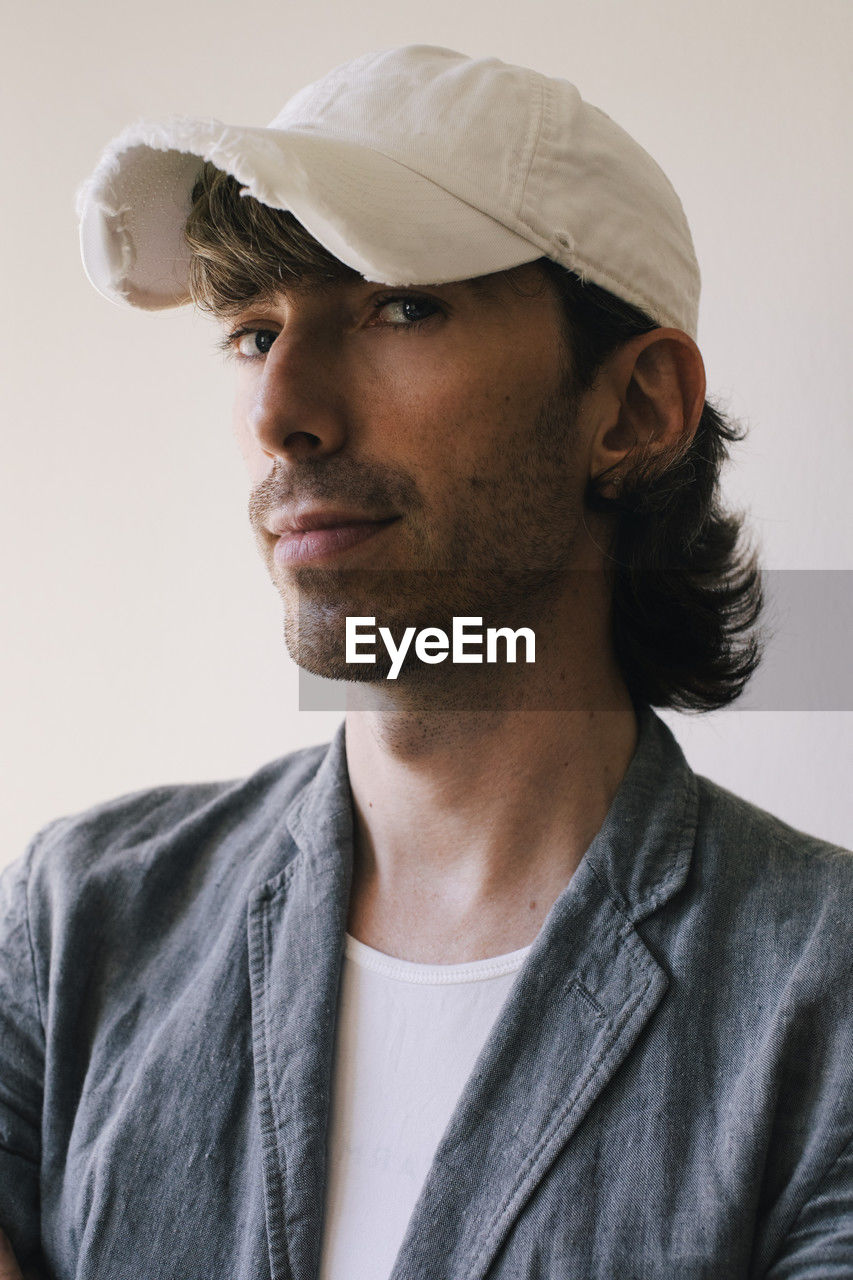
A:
[480,287]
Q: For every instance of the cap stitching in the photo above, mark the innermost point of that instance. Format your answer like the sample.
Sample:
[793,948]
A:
[536,171]
[534,133]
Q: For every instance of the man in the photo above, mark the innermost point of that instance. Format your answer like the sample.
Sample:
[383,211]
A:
[494,985]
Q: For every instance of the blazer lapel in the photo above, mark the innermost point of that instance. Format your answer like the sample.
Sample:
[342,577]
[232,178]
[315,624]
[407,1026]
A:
[588,987]
[296,926]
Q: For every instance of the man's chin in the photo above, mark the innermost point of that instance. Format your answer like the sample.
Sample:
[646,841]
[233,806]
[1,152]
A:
[325,598]
[318,603]
[316,641]
[330,666]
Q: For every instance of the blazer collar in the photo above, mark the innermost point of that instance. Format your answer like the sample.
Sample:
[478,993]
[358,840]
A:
[641,853]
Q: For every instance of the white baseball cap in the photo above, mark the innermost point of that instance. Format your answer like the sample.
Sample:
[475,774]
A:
[414,166]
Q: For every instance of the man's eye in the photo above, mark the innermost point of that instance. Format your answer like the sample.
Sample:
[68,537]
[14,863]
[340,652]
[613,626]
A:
[252,343]
[407,312]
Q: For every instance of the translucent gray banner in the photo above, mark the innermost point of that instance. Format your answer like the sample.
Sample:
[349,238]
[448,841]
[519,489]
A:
[805,631]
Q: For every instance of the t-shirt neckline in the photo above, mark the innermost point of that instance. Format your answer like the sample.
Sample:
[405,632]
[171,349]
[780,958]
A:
[432,974]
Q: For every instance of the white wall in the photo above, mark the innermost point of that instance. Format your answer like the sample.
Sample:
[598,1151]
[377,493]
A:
[141,639]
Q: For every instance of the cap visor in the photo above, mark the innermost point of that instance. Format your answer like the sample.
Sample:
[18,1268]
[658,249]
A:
[372,213]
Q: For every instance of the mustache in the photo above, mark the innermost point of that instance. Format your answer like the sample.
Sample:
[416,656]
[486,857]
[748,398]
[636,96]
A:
[371,486]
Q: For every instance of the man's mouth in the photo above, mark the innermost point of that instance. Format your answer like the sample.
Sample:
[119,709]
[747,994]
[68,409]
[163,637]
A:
[307,536]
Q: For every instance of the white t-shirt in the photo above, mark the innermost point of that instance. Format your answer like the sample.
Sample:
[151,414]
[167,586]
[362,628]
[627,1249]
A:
[408,1036]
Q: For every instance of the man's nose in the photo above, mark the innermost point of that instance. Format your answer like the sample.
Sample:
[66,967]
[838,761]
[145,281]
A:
[298,409]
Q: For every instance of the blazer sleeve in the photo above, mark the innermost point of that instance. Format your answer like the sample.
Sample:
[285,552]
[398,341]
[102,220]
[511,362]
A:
[22,1045]
[819,1245]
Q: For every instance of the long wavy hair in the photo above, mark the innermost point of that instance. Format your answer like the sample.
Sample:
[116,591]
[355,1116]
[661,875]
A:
[686,585]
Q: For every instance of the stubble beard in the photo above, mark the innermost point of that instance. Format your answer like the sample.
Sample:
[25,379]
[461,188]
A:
[502,551]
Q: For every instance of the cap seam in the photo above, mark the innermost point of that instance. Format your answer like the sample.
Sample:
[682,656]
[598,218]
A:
[535,129]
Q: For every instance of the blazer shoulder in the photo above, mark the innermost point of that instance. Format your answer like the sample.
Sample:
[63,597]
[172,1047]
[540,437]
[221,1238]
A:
[754,860]
[735,818]
[198,817]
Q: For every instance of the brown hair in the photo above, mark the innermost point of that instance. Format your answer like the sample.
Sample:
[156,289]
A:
[687,592]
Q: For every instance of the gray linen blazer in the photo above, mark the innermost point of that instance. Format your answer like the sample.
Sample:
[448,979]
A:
[666,1092]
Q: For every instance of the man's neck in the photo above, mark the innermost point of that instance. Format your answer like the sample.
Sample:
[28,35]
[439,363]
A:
[469,824]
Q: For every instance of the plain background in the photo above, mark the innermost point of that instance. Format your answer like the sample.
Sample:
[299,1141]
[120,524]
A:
[142,640]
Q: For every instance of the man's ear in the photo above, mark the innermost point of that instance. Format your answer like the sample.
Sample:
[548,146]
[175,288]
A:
[654,395]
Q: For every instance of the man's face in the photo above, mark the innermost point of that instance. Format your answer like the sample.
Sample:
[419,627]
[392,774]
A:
[432,433]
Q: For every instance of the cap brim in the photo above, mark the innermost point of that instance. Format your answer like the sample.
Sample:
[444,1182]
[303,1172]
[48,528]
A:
[375,215]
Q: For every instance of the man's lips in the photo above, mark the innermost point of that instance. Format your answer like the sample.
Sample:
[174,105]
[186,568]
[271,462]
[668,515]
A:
[305,536]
